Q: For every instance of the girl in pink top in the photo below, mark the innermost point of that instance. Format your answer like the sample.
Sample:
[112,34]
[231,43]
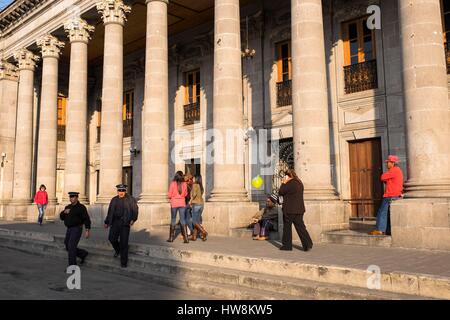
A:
[41,200]
[177,194]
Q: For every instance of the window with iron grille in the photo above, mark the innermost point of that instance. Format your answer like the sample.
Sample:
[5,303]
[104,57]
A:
[62,104]
[284,81]
[128,106]
[360,64]
[192,97]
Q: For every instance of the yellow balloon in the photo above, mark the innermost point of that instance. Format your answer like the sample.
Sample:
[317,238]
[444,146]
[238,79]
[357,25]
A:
[257,182]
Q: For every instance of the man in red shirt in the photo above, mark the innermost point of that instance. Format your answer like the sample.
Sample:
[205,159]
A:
[393,179]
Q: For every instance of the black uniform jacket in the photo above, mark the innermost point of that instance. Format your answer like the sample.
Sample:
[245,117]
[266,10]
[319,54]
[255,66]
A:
[131,210]
[292,193]
[77,216]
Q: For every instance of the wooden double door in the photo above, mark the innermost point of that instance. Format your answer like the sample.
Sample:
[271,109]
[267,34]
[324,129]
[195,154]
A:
[366,167]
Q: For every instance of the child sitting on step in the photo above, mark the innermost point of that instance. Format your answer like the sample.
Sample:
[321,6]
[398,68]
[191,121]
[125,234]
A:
[266,220]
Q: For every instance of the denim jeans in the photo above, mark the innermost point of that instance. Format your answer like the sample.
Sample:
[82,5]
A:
[197,210]
[182,211]
[41,209]
[382,215]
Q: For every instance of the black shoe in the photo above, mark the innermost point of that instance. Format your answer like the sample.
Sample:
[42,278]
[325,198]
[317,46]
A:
[285,248]
[116,254]
[307,249]
[84,258]
[123,265]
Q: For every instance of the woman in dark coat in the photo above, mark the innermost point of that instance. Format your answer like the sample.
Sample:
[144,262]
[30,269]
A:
[293,210]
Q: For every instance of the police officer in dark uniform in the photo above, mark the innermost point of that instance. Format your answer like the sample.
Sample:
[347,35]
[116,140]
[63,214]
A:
[75,215]
[122,214]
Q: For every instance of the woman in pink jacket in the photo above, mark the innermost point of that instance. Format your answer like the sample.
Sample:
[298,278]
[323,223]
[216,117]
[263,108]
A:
[177,195]
[41,200]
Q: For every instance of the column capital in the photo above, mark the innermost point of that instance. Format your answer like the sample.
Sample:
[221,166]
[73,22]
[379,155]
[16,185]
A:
[26,59]
[78,30]
[113,11]
[8,71]
[148,1]
[50,46]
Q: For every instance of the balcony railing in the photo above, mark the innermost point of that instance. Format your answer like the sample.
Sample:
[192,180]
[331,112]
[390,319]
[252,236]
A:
[447,55]
[284,93]
[127,128]
[361,76]
[61,133]
[191,113]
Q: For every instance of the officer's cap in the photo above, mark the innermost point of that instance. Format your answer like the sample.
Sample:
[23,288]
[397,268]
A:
[73,194]
[122,187]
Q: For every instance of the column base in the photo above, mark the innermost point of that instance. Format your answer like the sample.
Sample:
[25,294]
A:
[150,215]
[81,198]
[229,196]
[157,198]
[25,210]
[438,189]
[104,199]
[421,223]
[320,193]
[321,216]
[219,218]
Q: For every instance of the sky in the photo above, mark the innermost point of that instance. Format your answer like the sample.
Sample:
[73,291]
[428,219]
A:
[5,3]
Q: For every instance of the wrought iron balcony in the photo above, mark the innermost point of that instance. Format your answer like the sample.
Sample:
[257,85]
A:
[361,76]
[61,133]
[191,113]
[284,93]
[127,128]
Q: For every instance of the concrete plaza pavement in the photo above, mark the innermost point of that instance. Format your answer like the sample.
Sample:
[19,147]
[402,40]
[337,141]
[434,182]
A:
[436,263]
[29,277]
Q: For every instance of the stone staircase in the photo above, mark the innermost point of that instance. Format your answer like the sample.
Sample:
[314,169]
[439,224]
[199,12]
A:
[357,235]
[228,276]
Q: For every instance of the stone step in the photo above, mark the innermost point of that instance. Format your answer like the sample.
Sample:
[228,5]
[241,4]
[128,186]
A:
[358,238]
[362,225]
[219,282]
[247,233]
[396,282]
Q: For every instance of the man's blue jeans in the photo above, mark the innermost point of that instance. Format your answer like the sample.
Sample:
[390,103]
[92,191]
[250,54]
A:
[182,212]
[382,215]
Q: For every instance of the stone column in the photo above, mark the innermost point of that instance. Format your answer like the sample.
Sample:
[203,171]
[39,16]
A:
[111,146]
[23,155]
[229,179]
[426,99]
[48,120]
[155,120]
[9,78]
[310,100]
[76,123]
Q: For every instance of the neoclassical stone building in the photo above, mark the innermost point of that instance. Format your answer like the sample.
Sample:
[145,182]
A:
[98,92]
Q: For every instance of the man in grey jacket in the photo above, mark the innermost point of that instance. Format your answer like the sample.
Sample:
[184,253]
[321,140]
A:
[122,214]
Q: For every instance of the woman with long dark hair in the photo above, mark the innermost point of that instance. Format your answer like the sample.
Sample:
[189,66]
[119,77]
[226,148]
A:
[177,194]
[293,210]
[197,204]
[41,200]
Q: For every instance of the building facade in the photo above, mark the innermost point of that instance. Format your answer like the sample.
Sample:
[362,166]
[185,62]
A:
[95,93]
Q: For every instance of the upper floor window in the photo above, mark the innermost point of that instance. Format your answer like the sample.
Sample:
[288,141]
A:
[192,97]
[62,105]
[284,67]
[128,106]
[360,67]
[99,117]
